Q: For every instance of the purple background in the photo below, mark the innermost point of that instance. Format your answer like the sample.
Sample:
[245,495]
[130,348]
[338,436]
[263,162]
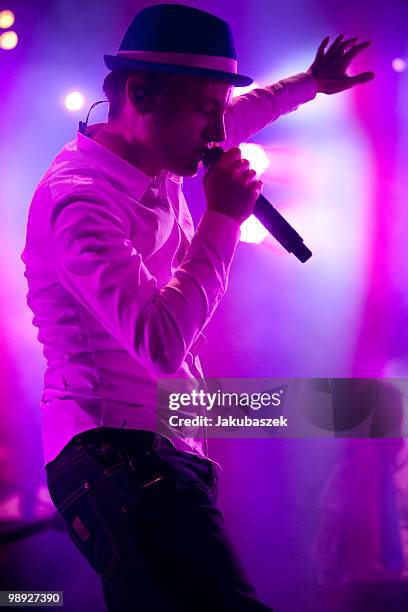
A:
[342,181]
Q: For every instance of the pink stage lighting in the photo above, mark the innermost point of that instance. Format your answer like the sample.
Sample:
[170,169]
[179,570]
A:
[399,64]
[8,40]
[239,91]
[252,230]
[74,101]
[6,19]
[256,156]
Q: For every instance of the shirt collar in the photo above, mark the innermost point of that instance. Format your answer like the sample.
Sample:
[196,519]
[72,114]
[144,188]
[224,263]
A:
[134,179]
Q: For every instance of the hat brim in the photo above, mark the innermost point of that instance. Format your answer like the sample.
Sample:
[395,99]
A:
[115,62]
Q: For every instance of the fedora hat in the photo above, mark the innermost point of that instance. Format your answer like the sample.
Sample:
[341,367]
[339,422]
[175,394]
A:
[179,39]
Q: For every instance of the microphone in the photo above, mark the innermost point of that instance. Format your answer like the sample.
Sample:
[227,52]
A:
[270,218]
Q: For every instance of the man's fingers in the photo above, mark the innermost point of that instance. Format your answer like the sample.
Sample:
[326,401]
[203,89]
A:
[322,45]
[259,186]
[346,43]
[337,40]
[351,53]
[248,175]
[335,44]
[240,164]
[229,157]
[363,77]
[358,79]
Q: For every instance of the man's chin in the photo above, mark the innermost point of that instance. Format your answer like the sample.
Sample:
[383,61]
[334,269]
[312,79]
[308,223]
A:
[189,168]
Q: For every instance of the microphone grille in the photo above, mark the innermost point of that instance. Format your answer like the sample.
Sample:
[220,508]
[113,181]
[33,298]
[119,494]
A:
[211,156]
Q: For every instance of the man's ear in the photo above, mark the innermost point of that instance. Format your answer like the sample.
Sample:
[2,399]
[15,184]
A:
[138,95]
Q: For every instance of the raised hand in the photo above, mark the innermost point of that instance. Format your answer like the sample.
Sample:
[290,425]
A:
[329,67]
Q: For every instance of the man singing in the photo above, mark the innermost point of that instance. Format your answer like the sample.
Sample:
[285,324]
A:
[122,286]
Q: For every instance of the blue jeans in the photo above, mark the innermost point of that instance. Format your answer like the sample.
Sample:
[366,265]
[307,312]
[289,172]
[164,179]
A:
[144,516]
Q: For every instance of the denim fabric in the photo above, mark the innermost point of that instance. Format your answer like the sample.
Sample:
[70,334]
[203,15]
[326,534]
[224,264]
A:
[144,515]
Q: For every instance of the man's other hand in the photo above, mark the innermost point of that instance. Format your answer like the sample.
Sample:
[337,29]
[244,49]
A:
[231,187]
[329,67]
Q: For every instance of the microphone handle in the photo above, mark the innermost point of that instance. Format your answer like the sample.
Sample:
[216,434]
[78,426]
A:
[280,229]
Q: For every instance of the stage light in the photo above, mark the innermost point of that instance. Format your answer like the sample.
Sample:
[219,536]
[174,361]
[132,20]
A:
[256,156]
[8,40]
[399,64]
[252,230]
[239,91]
[74,101]
[6,19]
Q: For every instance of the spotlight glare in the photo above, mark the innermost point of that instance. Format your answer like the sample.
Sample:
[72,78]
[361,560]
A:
[253,231]
[6,19]
[398,64]
[240,91]
[74,101]
[256,155]
[8,40]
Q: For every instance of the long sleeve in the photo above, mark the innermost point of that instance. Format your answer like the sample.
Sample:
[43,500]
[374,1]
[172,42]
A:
[251,112]
[92,258]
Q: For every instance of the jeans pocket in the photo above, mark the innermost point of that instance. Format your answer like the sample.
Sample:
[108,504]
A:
[89,530]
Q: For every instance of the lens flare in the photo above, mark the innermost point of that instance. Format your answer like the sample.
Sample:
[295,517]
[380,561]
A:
[256,156]
[240,91]
[253,231]
[74,101]
[6,19]
[398,64]
[8,40]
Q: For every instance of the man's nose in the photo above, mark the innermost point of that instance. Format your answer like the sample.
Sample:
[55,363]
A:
[217,131]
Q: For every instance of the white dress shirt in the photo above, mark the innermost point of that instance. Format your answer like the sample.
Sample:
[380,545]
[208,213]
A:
[120,284]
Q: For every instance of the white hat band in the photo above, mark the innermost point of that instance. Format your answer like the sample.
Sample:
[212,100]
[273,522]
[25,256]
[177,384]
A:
[211,62]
